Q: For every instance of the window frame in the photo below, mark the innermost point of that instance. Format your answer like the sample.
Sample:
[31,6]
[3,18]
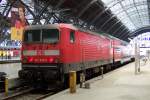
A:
[41,35]
[58,36]
[72,36]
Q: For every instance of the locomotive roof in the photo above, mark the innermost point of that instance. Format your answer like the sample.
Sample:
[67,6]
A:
[70,26]
[50,26]
[33,27]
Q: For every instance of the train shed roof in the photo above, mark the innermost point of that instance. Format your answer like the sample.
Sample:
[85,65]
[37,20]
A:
[119,18]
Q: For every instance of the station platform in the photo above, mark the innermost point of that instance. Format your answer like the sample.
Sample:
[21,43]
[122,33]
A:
[12,60]
[120,84]
[11,69]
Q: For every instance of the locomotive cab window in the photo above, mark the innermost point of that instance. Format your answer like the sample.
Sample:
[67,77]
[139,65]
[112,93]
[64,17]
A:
[32,36]
[50,35]
[42,35]
[72,36]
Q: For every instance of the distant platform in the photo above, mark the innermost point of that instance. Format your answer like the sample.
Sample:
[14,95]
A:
[120,84]
[13,60]
[11,69]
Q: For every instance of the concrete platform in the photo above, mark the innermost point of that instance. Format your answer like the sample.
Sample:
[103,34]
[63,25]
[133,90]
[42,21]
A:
[11,69]
[12,58]
[121,84]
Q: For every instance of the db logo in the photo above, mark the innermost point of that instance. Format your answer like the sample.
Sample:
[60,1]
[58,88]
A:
[40,52]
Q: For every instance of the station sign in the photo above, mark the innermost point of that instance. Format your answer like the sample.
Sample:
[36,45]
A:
[144,38]
[144,41]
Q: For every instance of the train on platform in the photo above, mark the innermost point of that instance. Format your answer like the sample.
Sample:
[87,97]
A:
[49,52]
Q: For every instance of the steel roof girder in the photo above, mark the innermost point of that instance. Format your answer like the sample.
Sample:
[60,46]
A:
[38,17]
[101,13]
[59,4]
[122,34]
[40,13]
[86,7]
[113,25]
[92,16]
[107,21]
[118,28]
[128,32]
[7,5]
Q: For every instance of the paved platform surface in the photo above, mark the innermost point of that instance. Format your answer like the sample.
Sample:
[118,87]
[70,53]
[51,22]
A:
[121,84]
[12,58]
[11,69]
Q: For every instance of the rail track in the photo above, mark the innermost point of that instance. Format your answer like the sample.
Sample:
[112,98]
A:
[29,94]
[36,94]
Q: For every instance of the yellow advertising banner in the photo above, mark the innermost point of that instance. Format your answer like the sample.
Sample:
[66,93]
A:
[16,33]
[17,23]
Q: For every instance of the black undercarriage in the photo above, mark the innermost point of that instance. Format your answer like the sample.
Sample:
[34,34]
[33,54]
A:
[48,74]
[42,73]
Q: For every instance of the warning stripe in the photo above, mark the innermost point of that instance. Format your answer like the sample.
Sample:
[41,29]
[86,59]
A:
[29,53]
[45,52]
[51,52]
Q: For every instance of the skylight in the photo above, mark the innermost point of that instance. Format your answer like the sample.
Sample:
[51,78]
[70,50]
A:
[132,13]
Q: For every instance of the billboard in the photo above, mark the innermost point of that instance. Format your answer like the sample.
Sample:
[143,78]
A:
[17,23]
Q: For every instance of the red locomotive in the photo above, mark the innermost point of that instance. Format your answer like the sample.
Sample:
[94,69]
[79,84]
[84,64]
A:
[49,52]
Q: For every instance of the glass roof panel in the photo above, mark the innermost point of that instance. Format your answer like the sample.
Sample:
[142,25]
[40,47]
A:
[127,2]
[115,8]
[142,7]
[132,13]
[107,1]
[131,10]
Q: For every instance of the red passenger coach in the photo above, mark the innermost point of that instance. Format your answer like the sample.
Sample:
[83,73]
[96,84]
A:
[49,52]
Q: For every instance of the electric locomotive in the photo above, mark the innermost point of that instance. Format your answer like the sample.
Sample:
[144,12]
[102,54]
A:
[49,52]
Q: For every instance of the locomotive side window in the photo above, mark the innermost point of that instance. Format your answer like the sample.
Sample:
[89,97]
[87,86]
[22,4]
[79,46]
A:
[50,35]
[72,36]
[32,36]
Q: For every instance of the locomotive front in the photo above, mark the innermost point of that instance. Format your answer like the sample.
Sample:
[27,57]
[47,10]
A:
[40,54]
